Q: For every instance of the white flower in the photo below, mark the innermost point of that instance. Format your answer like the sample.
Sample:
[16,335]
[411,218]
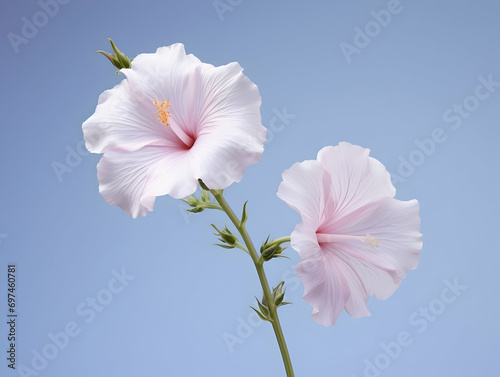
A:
[172,121]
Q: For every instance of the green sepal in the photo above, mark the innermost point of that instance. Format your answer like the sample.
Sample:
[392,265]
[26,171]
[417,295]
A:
[224,246]
[260,314]
[196,210]
[191,200]
[268,253]
[263,311]
[226,236]
[279,295]
[279,299]
[122,59]
[200,205]
[263,308]
[205,196]
[203,185]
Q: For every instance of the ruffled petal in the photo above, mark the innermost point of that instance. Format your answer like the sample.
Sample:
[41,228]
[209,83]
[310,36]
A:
[306,189]
[396,225]
[356,178]
[132,180]
[121,122]
[227,101]
[230,135]
[168,71]
[169,74]
[325,285]
[378,271]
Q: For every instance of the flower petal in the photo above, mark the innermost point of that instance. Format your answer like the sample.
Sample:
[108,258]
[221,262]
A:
[223,158]
[132,180]
[168,74]
[326,287]
[121,122]
[306,188]
[377,271]
[227,101]
[356,178]
[396,225]
[369,240]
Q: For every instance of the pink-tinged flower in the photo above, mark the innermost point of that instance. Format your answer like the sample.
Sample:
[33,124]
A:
[172,121]
[355,240]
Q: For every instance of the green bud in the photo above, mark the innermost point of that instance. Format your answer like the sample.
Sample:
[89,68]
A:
[226,236]
[279,295]
[118,59]
[192,201]
[271,252]
[229,238]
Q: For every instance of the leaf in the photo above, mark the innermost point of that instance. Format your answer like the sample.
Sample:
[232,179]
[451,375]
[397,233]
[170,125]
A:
[244,215]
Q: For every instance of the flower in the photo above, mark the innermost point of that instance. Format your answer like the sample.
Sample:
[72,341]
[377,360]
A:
[355,240]
[172,121]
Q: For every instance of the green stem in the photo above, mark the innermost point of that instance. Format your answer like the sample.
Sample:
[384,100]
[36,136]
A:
[279,241]
[262,277]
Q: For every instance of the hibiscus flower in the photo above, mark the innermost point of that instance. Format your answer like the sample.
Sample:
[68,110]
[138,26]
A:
[172,121]
[355,240]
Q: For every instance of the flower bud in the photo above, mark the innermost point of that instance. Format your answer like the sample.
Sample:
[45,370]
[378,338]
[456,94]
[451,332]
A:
[271,252]
[118,59]
[226,236]
[279,295]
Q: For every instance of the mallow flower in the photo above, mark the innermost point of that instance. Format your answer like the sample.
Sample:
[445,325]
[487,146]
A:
[171,121]
[355,239]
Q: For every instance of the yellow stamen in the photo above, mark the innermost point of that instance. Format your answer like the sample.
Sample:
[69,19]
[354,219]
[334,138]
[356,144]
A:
[163,113]
[370,240]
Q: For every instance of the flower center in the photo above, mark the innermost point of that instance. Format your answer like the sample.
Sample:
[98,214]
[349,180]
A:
[163,117]
[163,113]
[368,238]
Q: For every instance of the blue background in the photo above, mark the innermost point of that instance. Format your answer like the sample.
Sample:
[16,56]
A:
[188,297]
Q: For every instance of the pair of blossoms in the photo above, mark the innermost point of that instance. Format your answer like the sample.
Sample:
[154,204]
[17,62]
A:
[175,120]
